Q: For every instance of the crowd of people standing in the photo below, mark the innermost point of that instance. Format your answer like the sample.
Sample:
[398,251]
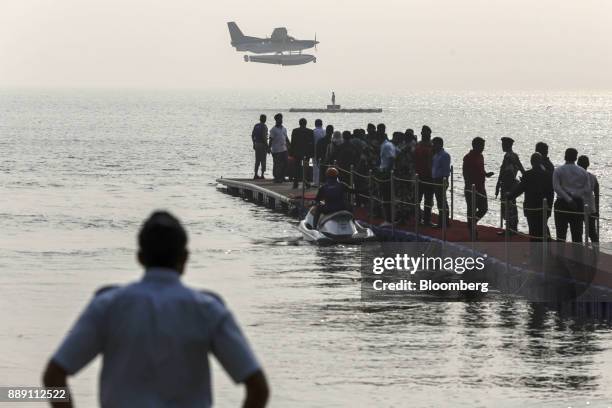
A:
[370,153]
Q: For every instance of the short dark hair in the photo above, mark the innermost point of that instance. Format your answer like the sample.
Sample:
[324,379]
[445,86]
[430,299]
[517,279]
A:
[438,140]
[381,128]
[162,240]
[318,122]
[329,129]
[541,148]
[302,122]
[571,154]
[426,129]
[371,127]
[262,118]
[477,142]
[583,161]
[278,116]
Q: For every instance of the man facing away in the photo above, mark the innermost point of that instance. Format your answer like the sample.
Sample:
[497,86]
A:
[155,334]
[260,145]
[572,184]
[302,147]
[440,171]
[506,181]
[279,145]
[474,174]
[592,199]
[318,133]
[423,155]
[537,186]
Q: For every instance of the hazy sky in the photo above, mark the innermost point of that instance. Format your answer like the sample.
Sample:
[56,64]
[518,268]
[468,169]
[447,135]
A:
[384,44]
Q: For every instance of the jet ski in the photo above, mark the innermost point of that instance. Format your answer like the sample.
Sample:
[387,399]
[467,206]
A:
[335,228]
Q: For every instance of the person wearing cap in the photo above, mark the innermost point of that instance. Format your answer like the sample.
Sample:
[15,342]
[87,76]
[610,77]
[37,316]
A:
[279,145]
[156,334]
[536,186]
[506,181]
[423,156]
[331,194]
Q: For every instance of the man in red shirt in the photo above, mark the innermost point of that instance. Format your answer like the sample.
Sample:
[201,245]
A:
[423,154]
[474,174]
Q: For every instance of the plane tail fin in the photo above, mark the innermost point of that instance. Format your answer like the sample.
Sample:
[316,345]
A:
[235,33]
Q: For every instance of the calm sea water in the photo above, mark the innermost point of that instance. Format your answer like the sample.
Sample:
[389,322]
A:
[79,170]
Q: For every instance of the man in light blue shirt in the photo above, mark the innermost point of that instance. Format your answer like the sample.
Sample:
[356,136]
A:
[318,134]
[387,161]
[155,334]
[440,171]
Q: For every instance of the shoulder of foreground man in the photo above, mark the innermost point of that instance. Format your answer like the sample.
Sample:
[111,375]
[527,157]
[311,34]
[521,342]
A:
[207,296]
[106,289]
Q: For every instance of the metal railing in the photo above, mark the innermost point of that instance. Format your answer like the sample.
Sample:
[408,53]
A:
[374,198]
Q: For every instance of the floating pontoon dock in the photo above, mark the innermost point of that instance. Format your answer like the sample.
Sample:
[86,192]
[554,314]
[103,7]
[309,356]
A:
[282,197]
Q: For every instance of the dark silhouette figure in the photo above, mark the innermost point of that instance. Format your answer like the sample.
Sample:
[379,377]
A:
[592,199]
[259,136]
[388,152]
[440,171]
[423,156]
[164,329]
[474,174]
[547,165]
[322,147]
[302,149]
[506,181]
[332,194]
[537,186]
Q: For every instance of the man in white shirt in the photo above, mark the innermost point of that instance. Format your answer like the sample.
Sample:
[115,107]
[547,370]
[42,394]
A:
[318,134]
[279,146]
[155,334]
[571,184]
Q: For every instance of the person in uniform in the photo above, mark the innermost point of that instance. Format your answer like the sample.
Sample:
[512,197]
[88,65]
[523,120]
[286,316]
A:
[506,182]
[155,334]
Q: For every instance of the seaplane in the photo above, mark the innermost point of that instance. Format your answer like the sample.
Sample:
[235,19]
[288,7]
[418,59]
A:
[280,47]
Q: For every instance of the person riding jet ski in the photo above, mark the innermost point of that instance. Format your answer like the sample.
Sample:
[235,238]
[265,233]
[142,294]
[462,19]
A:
[332,194]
